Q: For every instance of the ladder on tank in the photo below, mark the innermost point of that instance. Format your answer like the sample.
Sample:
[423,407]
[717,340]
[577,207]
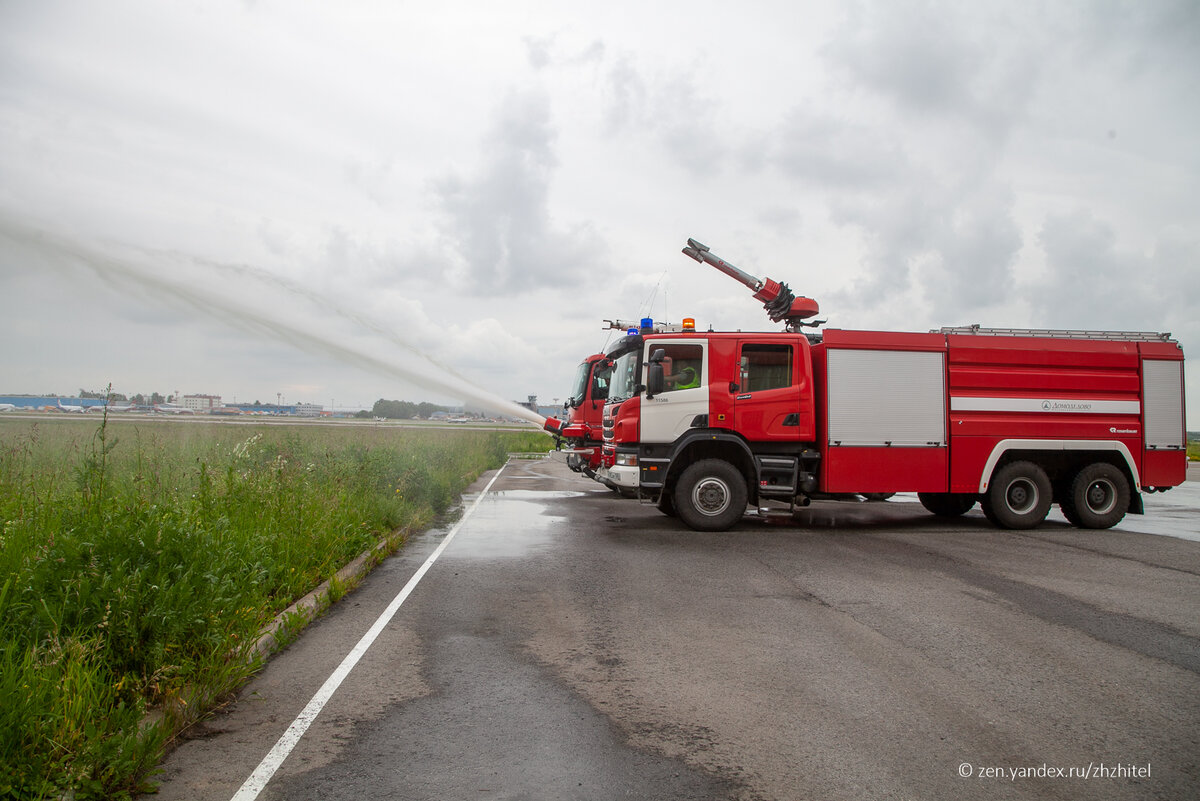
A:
[1057,333]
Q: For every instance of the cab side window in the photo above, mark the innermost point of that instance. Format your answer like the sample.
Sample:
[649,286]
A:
[600,383]
[766,367]
[682,367]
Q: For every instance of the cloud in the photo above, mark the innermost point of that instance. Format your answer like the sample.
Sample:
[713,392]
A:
[538,50]
[1091,281]
[976,243]
[943,59]
[837,154]
[920,177]
[497,219]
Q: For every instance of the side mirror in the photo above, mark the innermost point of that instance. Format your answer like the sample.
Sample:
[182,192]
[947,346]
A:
[655,382]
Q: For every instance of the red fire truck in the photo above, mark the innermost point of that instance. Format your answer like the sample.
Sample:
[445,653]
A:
[706,423]
[584,409]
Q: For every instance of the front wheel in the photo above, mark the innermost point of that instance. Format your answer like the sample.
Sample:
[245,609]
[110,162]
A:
[1099,496]
[1019,496]
[711,495]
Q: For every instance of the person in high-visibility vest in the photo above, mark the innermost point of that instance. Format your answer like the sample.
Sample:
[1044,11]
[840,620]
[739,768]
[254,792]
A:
[687,377]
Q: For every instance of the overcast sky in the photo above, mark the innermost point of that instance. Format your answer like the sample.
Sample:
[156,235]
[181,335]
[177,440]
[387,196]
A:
[255,199]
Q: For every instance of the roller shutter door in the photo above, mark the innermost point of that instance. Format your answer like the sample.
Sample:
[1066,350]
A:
[1162,388]
[883,397]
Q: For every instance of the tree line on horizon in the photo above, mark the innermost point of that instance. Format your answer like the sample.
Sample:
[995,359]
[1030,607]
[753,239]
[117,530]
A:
[402,410]
[391,409]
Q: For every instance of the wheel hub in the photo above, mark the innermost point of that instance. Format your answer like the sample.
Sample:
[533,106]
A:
[1022,496]
[1101,496]
[711,496]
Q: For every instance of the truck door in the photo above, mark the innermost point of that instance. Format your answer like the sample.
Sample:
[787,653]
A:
[683,403]
[771,398]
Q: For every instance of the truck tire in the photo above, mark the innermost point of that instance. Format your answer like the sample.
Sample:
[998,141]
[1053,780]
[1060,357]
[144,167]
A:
[947,504]
[711,495]
[1019,496]
[1099,496]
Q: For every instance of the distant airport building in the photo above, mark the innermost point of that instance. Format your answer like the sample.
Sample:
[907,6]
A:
[201,403]
[261,408]
[309,409]
[544,411]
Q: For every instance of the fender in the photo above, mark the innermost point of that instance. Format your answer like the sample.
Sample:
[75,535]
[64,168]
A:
[1005,445]
[704,436]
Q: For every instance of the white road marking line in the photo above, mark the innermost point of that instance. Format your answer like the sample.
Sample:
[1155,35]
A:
[275,757]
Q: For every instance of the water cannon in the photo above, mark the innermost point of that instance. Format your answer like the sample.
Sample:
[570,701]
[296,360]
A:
[560,428]
[780,303]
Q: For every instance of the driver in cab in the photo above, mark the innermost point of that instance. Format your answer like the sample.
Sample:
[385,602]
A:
[679,374]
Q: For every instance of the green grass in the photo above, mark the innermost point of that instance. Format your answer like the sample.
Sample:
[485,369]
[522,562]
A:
[138,561]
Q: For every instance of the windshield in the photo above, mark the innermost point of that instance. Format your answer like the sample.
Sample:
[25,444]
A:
[625,374]
[579,387]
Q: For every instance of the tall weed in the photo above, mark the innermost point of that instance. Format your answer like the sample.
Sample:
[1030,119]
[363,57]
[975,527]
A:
[138,560]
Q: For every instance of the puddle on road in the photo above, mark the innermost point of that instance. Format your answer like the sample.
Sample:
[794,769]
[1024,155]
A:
[510,523]
[1175,513]
[1169,514]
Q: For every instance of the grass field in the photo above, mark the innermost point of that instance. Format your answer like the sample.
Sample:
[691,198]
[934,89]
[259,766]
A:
[138,561]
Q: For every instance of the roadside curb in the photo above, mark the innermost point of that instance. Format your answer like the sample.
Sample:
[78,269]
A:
[289,623]
[178,716]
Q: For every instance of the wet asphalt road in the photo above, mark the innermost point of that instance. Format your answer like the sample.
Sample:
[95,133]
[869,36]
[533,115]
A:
[573,645]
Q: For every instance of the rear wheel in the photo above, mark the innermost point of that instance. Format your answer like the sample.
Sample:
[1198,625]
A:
[1019,496]
[1099,496]
[710,495]
[947,504]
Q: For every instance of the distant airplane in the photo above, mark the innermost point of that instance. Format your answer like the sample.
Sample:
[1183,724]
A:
[7,407]
[170,408]
[70,407]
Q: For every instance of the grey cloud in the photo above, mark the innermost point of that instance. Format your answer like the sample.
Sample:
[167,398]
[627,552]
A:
[626,96]
[783,220]
[497,220]
[545,51]
[837,154]
[672,110]
[977,242]
[896,227]
[537,50]
[686,123]
[1150,36]
[936,58]
[1092,281]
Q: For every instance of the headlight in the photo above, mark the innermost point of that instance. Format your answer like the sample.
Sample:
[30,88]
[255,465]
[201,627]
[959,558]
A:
[627,459]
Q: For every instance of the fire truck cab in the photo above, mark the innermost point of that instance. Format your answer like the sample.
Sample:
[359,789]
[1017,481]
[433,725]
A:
[706,423]
[583,411]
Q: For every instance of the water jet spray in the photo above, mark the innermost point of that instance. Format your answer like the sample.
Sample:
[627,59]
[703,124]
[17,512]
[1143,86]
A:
[420,369]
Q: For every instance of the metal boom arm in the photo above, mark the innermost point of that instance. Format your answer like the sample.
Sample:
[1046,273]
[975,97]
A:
[779,301]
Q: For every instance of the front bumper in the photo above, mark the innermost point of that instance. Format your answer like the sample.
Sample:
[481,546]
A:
[618,476]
